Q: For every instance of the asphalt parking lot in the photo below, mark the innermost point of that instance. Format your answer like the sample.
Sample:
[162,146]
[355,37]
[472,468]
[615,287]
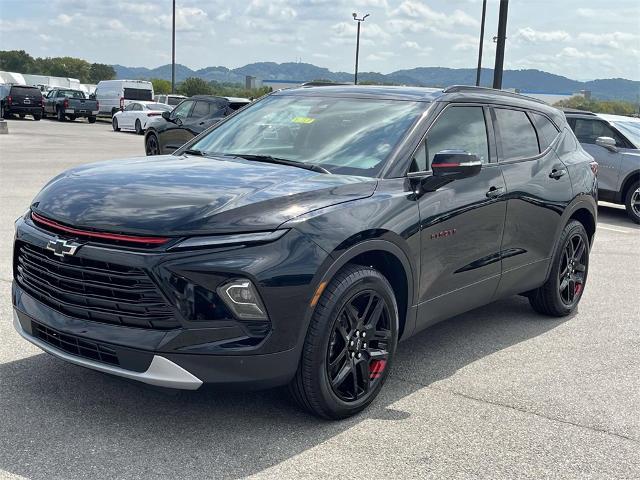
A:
[500,392]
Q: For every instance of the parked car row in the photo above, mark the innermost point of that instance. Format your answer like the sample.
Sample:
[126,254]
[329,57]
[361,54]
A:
[21,100]
[64,103]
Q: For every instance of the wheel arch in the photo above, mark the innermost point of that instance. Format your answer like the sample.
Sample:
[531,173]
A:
[626,185]
[392,262]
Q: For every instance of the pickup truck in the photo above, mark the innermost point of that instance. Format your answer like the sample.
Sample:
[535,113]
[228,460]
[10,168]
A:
[71,104]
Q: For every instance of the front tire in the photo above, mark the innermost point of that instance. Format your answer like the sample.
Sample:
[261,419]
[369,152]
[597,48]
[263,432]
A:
[114,124]
[37,117]
[562,291]
[349,345]
[151,145]
[632,202]
[92,119]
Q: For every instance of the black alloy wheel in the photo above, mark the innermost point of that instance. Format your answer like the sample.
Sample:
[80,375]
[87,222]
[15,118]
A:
[350,344]
[359,346]
[571,276]
[151,145]
[632,202]
[561,293]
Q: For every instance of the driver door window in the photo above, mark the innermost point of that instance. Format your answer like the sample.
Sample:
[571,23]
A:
[457,128]
[182,111]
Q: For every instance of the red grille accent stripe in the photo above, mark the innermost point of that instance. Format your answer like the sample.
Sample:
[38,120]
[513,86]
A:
[105,236]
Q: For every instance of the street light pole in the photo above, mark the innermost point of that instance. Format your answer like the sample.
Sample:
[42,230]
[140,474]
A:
[502,37]
[359,20]
[173,49]
[484,14]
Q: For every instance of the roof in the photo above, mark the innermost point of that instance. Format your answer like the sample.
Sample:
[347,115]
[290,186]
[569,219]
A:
[217,97]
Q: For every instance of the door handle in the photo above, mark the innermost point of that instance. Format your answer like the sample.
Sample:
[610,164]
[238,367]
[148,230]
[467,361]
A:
[557,173]
[494,192]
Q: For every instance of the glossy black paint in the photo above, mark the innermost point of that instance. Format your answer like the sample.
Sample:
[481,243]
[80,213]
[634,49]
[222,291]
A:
[446,250]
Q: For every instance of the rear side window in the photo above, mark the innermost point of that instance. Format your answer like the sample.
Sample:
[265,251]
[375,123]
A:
[138,94]
[547,132]
[25,91]
[517,135]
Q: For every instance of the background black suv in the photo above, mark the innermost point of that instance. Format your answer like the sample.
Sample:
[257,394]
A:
[298,240]
[21,100]
[188,119]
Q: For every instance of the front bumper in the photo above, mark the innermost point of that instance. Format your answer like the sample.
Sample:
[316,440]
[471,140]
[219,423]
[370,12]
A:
[191,351]
[160,372]
[170,370]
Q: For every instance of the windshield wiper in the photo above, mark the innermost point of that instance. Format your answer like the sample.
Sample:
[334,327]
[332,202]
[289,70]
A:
[281,161]
[190,151]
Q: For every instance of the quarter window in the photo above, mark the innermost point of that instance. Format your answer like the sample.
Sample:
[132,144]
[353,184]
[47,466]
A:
[547,132]
[518,138]
[458,128]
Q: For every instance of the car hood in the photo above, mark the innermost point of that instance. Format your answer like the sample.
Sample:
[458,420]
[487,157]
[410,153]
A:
[185,195]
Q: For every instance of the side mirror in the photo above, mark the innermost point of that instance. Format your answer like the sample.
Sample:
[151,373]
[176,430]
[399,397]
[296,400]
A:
[166,115]
[455,164]
[608,143]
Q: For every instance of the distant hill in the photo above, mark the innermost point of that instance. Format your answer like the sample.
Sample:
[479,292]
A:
[531,81]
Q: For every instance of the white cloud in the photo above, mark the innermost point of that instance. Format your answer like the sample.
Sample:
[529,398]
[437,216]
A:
[530,35]
[187,19]
[418,11]
[616,40]
[274,9]
[413,45]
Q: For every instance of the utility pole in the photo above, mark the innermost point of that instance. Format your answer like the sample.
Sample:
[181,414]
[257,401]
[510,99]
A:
[173,49]
[359,20]
[484,14]
[502,36]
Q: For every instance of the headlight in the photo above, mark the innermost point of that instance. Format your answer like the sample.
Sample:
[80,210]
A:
[242,298]
[232,239]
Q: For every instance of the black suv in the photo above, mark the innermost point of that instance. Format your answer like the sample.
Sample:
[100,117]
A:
[298,240]
[190,118]
[22,100]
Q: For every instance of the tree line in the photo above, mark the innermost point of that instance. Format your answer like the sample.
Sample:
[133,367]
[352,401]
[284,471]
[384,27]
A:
[614,107]
[20,61]
[197,86]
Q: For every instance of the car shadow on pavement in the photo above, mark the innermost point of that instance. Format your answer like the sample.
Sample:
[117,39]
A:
[63,421]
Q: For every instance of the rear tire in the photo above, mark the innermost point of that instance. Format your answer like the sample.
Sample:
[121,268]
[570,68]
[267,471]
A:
[562,291]
[72,118]
[60,115]
[92,119]
[139,130]
[21,115]
[349,346]
[37,117]
[632,202]
[114,124]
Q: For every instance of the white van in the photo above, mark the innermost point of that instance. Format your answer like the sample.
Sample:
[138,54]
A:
[114,95]
[171,99]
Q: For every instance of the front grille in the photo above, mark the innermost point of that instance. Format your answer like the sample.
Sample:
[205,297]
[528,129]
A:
[75,345]
[92,290]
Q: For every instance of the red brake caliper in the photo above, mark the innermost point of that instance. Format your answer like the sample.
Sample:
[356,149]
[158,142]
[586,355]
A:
[578,289]
[376,368]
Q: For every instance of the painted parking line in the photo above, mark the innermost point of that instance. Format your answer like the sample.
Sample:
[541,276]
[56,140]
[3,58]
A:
[612,229]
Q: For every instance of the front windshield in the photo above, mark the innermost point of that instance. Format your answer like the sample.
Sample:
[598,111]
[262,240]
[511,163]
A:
[630,129]
[343,135]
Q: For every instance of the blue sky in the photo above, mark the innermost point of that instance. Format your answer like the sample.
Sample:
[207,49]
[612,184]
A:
[579,39]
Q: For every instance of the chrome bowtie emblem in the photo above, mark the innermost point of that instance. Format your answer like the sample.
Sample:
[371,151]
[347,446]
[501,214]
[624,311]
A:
[62,248]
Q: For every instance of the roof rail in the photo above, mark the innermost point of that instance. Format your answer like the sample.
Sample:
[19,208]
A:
[322,84]
[504,93]
[578,111]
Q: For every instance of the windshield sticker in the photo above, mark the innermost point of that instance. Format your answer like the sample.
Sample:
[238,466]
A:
[303,120]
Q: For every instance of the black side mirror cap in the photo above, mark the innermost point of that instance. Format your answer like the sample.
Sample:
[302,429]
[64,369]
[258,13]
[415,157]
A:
[455,164]
[166,115]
